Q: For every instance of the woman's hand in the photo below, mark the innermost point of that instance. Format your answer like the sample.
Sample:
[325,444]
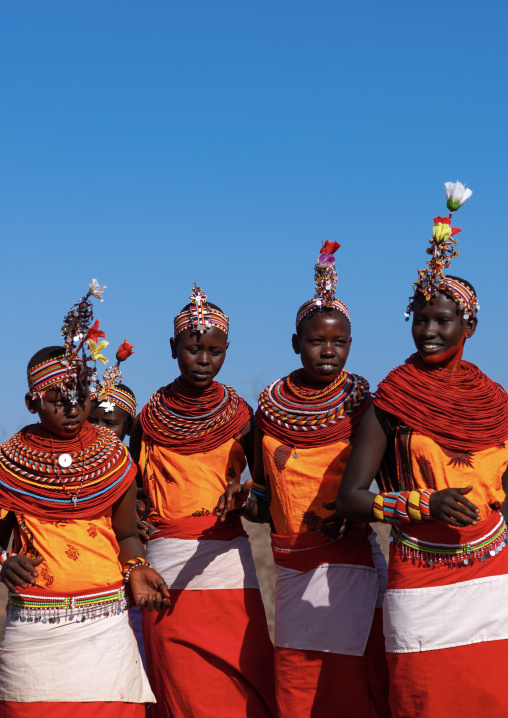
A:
[142,526]
[149,589]
[334,526]
[450,506]
[233,499]
[20,571]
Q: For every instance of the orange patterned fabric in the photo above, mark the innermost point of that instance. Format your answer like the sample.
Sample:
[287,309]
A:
[183,486]
[438,468]
[79,554]
[300,480]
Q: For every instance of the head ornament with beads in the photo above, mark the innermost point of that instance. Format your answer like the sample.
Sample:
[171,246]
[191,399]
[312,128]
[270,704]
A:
[325,278]
[73,368]
[432,280]
[200,315]
[111,392]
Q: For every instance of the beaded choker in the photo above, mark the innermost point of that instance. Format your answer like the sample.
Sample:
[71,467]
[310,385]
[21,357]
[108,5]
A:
[189,420]
[47,477]
[461,410]
[301,416]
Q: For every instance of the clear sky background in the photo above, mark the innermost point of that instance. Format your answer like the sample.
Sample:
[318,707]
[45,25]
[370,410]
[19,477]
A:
[154,143]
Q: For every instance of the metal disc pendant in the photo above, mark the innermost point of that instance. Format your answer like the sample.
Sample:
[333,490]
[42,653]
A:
[65,460]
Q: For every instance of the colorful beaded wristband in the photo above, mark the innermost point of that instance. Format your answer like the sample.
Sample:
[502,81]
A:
[400,507]
[131,564]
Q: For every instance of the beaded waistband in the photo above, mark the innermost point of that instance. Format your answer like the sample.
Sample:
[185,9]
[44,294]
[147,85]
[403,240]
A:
[53,609]
[428,553]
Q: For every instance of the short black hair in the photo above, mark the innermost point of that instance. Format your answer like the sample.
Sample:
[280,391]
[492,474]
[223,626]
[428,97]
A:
[44,355]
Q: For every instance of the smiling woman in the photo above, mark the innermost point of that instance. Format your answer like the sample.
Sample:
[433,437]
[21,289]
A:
[437,437]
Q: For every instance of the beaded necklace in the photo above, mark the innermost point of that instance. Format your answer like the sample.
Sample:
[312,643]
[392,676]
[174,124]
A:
[45,476]
[302,416]
[189,420]
[461,410]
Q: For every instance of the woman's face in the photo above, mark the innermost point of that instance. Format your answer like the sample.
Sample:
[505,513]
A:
[439,329]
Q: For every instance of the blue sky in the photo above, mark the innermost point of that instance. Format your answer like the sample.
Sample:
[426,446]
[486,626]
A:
[152,144]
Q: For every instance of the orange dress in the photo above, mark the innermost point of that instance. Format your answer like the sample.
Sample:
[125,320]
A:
[68,648]
[445,614]
[329,653]
[211,650]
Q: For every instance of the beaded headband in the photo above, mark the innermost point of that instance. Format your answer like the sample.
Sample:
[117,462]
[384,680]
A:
[200,316]
[70,371]
[110,394]
[432,280]
[325,278]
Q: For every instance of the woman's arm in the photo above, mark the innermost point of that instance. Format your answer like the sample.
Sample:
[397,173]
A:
[233,499]
[354,500]
[17,571]
[148,587]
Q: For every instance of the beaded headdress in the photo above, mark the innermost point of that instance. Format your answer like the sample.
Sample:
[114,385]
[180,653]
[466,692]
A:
[432,280]
[110,394]
[325,278]
[71,371]
[200,316]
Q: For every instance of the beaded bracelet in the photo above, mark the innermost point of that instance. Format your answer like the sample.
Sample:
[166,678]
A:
[131,564]
[400,507]
[246,506]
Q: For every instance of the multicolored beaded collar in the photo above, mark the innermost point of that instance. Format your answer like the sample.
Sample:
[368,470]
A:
[48,477]
[325,278]
[200,316]
[432,280]
[299,415]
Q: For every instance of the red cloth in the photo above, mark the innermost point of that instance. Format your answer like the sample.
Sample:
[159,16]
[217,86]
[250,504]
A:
[200,527]
[313,684]
[219,665]
[462,681]
[465,680]
[303,552]
[72,710]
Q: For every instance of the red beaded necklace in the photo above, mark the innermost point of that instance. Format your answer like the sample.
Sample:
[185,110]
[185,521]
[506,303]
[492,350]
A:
[462,410]
[189,420]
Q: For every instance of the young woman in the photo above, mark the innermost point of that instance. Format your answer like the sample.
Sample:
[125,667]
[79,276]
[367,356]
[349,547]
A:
[437,435]
[329,645]
[211,652]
